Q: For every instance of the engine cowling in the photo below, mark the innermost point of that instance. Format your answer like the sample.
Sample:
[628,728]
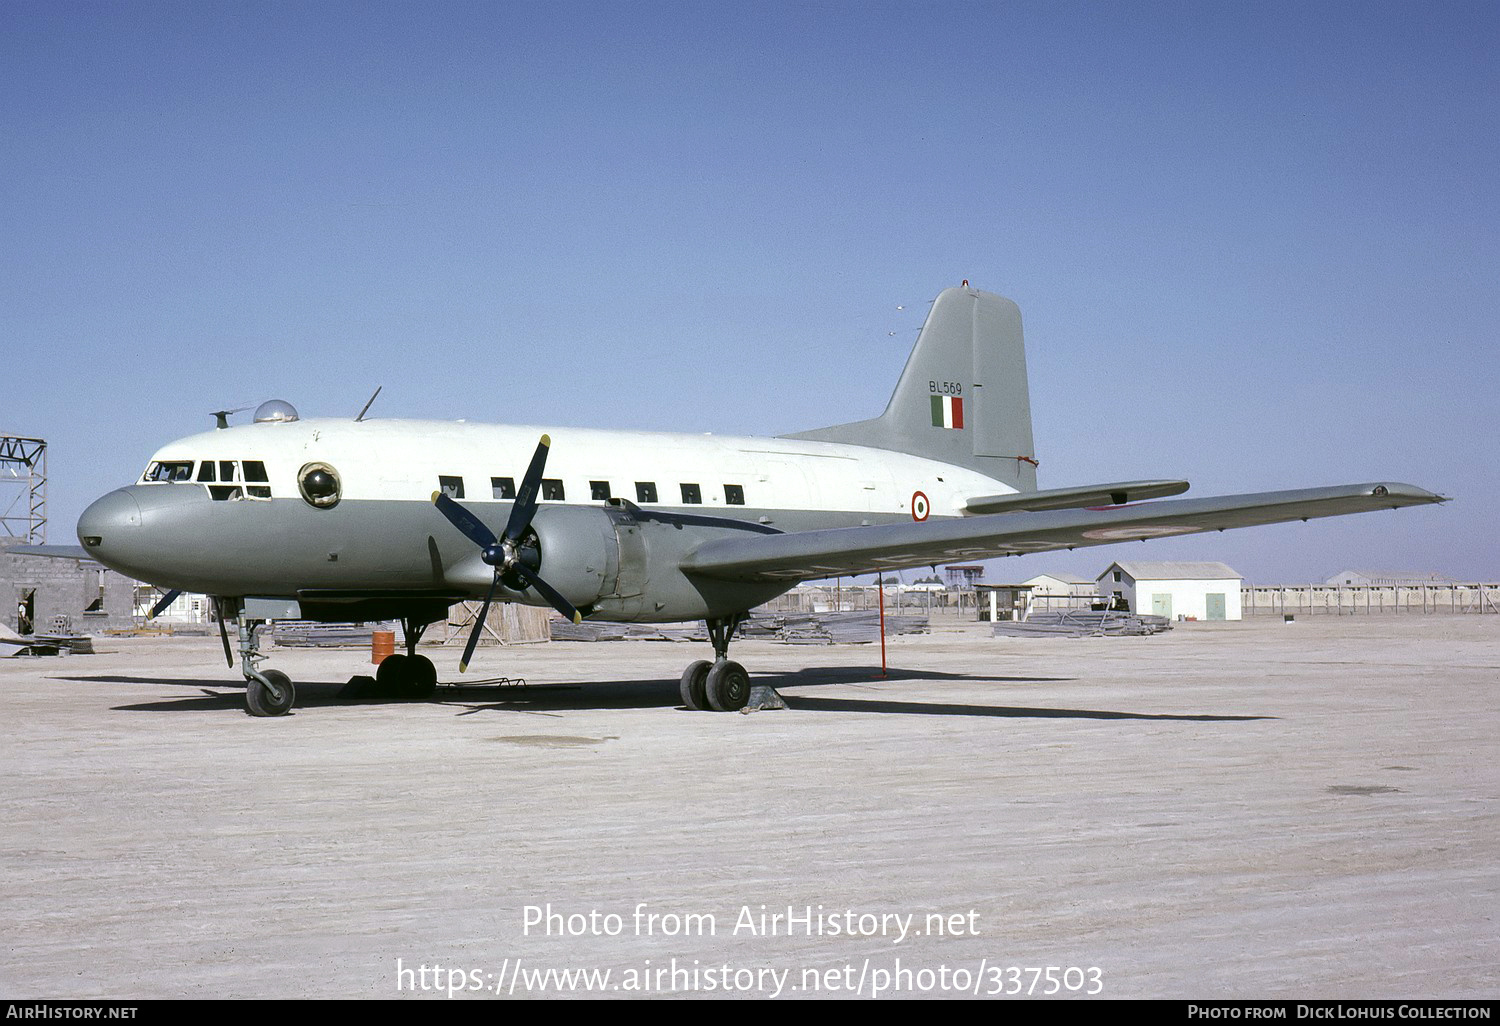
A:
[623,563]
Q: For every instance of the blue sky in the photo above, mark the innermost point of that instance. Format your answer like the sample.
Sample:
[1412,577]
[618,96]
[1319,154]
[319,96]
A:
[1255,245]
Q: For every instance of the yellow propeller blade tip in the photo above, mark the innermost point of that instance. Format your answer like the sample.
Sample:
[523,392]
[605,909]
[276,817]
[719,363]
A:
[578,618]
[547,441]
[435,497]
[463,667]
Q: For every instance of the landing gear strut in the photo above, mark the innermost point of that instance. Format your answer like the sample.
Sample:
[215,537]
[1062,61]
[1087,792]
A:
[267,692]
[271,692]
[409,675]
[721,685]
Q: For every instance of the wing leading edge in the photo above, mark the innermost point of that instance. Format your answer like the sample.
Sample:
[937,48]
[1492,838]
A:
[810,555]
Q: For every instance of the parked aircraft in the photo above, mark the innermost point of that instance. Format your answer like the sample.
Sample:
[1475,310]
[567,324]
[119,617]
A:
[339,520]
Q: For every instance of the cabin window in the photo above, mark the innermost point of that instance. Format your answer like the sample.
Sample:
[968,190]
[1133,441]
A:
[453,487]
[206,472]
[599,491]
[645,491]
[691,494]
[502,488]
[734,495]
[170,471]
[552,489]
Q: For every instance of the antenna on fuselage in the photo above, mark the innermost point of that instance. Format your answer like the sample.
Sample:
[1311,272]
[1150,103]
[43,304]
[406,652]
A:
[221,417]
[368,405]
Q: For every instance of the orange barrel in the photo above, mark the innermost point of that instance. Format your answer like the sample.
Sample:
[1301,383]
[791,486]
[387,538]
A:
[382,644]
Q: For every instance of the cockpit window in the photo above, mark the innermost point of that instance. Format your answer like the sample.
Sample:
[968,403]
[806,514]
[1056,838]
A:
[223,477]
[257,483]
[169,471]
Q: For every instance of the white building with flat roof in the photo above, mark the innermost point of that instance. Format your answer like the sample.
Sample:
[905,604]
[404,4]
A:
[1061,584]
[1194,591]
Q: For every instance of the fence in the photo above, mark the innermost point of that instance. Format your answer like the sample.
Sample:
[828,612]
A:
[1350,600]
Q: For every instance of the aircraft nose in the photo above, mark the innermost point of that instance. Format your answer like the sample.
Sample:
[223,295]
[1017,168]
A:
[107,525]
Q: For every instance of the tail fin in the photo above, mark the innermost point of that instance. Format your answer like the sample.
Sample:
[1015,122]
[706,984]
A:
[963,396]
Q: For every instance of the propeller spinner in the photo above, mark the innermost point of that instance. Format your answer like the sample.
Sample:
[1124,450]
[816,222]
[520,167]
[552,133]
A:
[506,553]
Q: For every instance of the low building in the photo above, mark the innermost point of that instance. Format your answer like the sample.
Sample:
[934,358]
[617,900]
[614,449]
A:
[1193,591]
[50,594]
[1003,601]
[1386,579]
[1060,591]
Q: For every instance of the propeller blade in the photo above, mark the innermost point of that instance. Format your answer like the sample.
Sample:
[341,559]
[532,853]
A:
[526,496]
[484,611]
[162,603]
[223,633]
[466,522]
[549,593]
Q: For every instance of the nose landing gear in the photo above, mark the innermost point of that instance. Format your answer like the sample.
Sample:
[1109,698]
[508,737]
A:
[267,692]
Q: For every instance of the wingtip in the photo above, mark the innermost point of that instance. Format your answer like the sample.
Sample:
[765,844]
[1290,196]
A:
[1408,492]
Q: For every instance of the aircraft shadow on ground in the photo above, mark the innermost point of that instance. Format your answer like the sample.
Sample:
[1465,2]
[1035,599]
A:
[481,696]
[864,705]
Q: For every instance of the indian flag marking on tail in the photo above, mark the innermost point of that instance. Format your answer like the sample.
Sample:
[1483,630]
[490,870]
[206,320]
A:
[947,411]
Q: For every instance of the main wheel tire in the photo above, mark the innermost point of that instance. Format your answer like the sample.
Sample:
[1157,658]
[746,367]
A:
[423,677]
[394,674]
[728,686]
[263,701]
[693,685]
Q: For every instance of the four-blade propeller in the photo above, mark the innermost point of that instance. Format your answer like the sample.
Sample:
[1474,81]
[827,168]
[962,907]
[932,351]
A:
[507,553]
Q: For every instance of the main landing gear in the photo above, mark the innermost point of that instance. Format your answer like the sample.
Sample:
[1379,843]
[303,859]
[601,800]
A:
[271,692]
[409,675]
[721,685]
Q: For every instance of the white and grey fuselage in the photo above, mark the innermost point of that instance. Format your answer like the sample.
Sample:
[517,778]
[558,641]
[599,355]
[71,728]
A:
[228,512]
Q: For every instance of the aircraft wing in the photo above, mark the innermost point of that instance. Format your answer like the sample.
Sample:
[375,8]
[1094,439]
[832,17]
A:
[52,551]
[810,555]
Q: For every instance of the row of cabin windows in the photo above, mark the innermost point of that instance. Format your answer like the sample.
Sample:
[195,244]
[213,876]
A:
[599,491]
[226,479]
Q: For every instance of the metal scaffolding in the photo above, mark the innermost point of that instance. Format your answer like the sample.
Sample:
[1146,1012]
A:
[23,470]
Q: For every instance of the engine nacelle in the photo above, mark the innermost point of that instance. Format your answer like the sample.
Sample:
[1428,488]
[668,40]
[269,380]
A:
[622,563]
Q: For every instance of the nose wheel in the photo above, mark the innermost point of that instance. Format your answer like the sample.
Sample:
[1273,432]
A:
[269,694]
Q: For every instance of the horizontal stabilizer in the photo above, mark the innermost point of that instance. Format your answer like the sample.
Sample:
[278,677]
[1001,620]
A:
[1074,498]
